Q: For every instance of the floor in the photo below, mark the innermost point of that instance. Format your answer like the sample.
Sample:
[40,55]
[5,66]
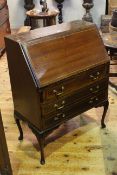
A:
[79,147]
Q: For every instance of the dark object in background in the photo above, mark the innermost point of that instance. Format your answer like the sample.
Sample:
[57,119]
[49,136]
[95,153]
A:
[4,24]
[110,42]
[114,19]
[29,5]
[60,6]
[106,8]
[44,5]
[87,4]
[48,18]
[5,166]
[105,20]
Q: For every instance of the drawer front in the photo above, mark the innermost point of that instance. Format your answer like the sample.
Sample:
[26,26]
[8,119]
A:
[61,104]
[75,83]
[75,109]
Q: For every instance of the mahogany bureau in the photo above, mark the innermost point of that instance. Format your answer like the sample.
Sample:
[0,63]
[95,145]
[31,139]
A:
[56,73]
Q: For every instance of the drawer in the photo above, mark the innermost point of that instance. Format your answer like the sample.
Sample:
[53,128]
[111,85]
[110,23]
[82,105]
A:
[62,103]
[75,109]
[74,83]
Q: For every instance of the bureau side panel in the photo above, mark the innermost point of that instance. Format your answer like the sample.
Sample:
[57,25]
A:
[25,93]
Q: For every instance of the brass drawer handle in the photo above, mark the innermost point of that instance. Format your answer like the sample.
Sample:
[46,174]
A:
[59,93]
[96,99]
[91,89]
[93,100]
[61,115]
[60,107]
[58,116]
[95,77]
[98,73]
[95,90]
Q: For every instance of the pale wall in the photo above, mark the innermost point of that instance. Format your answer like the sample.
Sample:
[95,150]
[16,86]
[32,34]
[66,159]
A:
[72,10]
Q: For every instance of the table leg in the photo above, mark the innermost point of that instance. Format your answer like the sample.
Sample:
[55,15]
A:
[44,23]
[20,129]
[104,114]
[111,53]
[113,85]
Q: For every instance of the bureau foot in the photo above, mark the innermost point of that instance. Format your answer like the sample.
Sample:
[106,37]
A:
[104,114]
[41,142]
[20,129]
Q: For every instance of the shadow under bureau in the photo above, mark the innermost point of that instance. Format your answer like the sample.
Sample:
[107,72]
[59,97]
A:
[56,73]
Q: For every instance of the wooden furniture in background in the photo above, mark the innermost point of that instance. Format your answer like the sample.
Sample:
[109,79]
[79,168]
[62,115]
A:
[105,20]
[4,24]
[54,78]
[110,42]
[113,23]
[106,9]
[44,5]
[87,4]
[5,166]
[49,18]
[112,5]
[60,7]
[29,5]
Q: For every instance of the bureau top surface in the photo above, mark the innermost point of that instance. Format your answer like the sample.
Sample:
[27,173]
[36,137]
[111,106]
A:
[45,33]
[59,51]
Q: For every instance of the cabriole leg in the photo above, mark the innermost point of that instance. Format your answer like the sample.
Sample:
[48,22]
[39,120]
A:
[41,141]
[104,114]
[20,129]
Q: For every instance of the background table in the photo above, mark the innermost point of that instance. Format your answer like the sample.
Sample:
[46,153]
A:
[49,18]
[110,42]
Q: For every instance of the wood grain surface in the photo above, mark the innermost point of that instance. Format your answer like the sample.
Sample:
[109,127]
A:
[66,55]
[59,51]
